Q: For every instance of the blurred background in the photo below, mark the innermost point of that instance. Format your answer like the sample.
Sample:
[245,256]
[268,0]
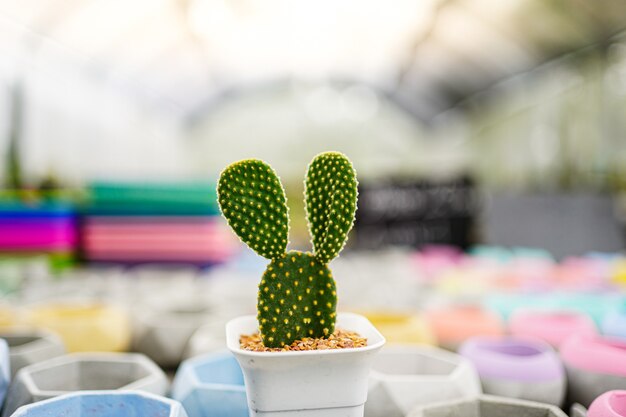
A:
[483,133]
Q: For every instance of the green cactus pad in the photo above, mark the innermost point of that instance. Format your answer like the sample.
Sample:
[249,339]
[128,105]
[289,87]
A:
[253,201]
[331,196]
[297,299]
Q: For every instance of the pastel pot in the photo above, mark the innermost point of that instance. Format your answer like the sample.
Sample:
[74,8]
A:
[84,327]
[552,327]
[162,332]
[31,346]
[211,386]
[328,383]
[453,325]
[405,376]
[594,366]
[488,406]
[104,404]
[519,368]
[609,404]
[84,371]
[614,324]
[402,328]
[594,305]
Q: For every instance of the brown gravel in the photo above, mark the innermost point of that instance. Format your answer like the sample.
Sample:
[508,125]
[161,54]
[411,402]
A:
[340,339]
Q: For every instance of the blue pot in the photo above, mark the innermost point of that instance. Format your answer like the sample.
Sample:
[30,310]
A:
[104,404]
[5,370]
[211,386]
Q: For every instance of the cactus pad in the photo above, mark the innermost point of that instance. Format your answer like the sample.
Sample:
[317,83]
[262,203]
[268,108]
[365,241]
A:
[297,299]
[253,201]
[297,294]
[330,196]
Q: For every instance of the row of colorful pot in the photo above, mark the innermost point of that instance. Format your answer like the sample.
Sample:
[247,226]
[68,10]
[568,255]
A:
[172,330]
[402,378]
[518,269]
[133,403]
[99,327]
[450,326]
[405,379]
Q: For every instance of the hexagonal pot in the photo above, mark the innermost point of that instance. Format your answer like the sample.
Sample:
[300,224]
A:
[405,376]
[162,332]
[594,366]
[104,404]
[488,406]
[527,369]
[84,371]
[328,383]
[84,326]
[28,346]
[211,386]
[609,404]
[551,326]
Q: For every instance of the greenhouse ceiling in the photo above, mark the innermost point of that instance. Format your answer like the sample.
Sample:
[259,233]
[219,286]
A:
[184,53]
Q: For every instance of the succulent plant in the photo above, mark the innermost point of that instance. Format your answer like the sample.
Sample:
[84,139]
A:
[297,295]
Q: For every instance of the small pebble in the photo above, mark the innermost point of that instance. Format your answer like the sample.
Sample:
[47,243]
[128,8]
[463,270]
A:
[340,339]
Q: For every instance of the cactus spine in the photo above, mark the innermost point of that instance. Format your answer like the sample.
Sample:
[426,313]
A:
[297,295]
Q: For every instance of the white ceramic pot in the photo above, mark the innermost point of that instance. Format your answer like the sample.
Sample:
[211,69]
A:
[315,383]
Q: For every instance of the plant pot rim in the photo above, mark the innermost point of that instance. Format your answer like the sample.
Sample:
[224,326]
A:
[605,404]
[232,340]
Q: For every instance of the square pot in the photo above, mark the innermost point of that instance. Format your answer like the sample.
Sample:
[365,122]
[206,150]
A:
[405,376]
[31,346]
[104,404]
[211,386]
[311,383]
[84,371]
[488,406]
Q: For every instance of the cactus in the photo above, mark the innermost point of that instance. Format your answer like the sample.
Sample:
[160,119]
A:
[297,295]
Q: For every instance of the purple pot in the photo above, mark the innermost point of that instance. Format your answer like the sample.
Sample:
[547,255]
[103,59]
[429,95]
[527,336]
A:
[519,368]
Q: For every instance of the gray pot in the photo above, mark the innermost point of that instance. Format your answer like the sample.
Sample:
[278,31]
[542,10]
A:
[31,346]
[488,406]
[84,371]
[405,376]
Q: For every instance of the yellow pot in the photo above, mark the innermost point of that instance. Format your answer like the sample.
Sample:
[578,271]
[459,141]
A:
[84,327]
[8,317]
[619,272]
[402,328]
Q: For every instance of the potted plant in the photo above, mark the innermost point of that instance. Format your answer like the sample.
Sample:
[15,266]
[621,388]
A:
[306,359]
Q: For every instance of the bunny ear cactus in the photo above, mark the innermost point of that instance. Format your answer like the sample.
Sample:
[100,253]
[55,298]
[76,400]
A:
[297,295]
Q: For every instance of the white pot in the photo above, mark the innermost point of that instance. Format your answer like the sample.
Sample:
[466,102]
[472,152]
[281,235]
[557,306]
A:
[314,383]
